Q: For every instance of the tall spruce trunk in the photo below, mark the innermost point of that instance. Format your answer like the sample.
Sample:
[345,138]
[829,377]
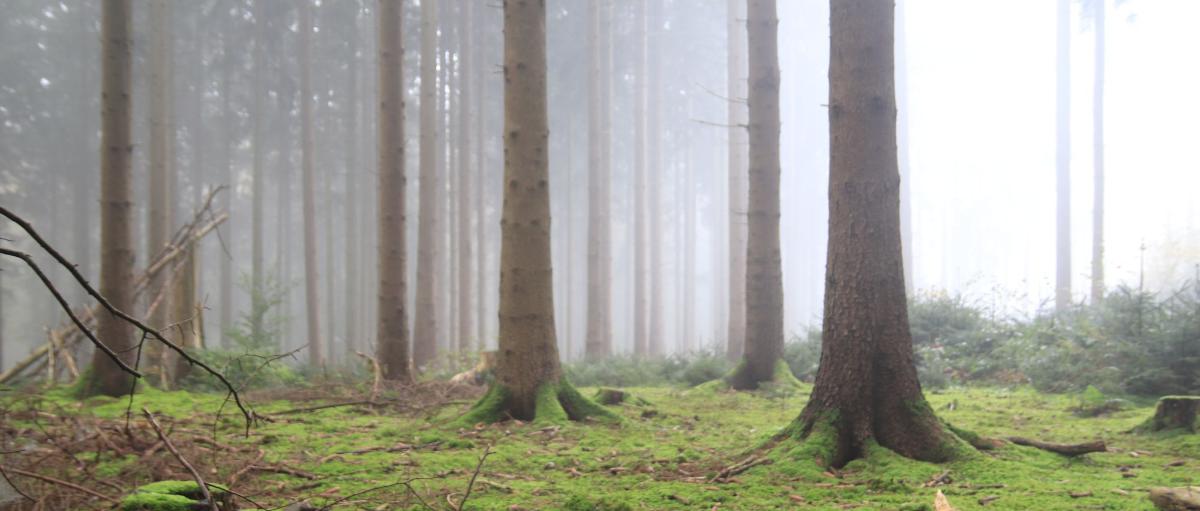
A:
[482,71]
[466,205]
[351,206]
[764,268]
[316,347]
[1098,156]
[738,160]
[258,183]
[392,330]
[160,192]
[425,319]
[1062,288]
[866,388]
[599,329]
[116,200]
[641,344]
[226,285]
[654,169]
[529,382]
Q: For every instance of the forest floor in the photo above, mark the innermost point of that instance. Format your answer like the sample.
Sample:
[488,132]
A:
[405,454]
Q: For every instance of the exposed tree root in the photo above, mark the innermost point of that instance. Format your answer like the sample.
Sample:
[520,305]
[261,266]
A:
[1070,450]
[555,403]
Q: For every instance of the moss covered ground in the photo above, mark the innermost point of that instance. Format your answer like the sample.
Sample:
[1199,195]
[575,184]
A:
[663,454]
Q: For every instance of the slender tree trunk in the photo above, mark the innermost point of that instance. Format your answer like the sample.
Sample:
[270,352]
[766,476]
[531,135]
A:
[641,342]
[187,286]
[258,182]
[529,383]
[688,184]
[116,199]
[866,389]
[654,169]
[353,244]
[316,347]
[160,194]
[226,306]
[392,331]
[1062,293]
[764,268]
[482,70]
[738,160]
[1098,157]
[425,320]
[465,204]
[599,335]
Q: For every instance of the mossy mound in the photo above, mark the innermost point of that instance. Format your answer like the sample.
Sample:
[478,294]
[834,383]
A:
[556,402]
[175,496]
[1174,413]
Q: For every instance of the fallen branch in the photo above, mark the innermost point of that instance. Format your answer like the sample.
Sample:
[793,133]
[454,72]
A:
[486,451]
[737,468]
[1063,449]
[203,486]
[59,482]
[376,371]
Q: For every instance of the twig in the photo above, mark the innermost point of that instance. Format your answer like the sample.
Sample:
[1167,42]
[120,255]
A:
[59,482]
[406,483]
[13,485]
[486,451]
[212,504]
[738,468]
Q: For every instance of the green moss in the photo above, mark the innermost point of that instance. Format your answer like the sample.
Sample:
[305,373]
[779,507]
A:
[556,403]
[579,407]
[169,496]
[488,409]
[549,410]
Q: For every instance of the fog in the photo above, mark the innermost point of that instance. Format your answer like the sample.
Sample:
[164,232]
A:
[976,95]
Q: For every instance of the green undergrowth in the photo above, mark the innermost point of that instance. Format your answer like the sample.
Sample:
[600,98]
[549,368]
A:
[663,455]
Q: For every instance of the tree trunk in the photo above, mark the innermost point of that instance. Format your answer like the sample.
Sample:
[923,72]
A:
[259,180]
[392,331]
[529,382]
[738,159]
[641,346]
[1098,157]
[465,204]
[764,269]
[160,194]
[116,200]
[353,244]
[866,387]
[425,320]
[316,347]
[226,291]
[599,334]
[483,69]
[1062,290]
[654,14]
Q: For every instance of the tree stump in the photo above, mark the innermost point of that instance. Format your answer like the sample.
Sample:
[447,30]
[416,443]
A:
[1176,499]
[1174,412]
[610,397]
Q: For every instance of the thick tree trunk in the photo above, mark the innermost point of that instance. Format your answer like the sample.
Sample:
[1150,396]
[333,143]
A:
[654,14]
[1062,289]
[599,328]
[425,320]
[641,346]
[116,200]
[316,347]
[529,382]
[738,160]
[764,268]
[465,203]
[1098,157]
[866,388]
[392,333]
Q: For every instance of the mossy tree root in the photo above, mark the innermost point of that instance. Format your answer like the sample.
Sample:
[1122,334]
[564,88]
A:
[911,430]
[555,403]
[741,378]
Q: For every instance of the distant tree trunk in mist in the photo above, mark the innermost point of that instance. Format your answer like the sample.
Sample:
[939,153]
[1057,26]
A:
[116,200]
[866,388]
[482,70]
[160,194]
[258,182]
[425,319]
[1062,290]
[1098,156]
[392,330]
[654,15]
[186,287]
[764,268]
[688,280]
[226,291]
[353,244]
[599,328]
[641,278]
[738,160]
[316,348]
[529,382]
[906,232]
[465,202]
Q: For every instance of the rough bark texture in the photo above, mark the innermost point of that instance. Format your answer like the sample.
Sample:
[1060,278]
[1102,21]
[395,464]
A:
[392,331]
[1062,288]
[465,204]
[654,11]
[1174,413]
[1098,156]
[641,345]
[738,160]
[316,347]
[425,318]
[599,328]
[529,382]
[764,268]
[866,388]
[116,200]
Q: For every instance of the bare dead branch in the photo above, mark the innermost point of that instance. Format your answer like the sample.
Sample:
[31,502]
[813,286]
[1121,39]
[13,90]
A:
[479,466]
[59,482]
[212,504]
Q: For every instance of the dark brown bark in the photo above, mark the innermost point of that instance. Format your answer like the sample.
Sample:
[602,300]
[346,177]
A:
[116,200]
[764,268]
[316,347]
[866,387]
[392,333]
[599,313]
[425,318]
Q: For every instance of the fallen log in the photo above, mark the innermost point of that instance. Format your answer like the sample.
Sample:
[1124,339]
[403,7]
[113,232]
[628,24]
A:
[1176,499]
[1063,449]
